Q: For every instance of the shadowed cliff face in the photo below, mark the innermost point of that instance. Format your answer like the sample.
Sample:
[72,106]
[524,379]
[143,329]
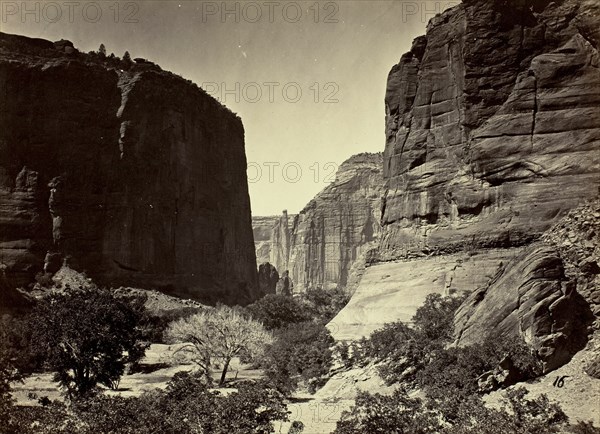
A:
[493,126]
[136,177]
[320,245]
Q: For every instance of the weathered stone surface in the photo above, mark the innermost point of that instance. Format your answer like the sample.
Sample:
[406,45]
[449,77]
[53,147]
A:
[577,238]
[492,136]
[285,285]
[532,298]
[320,245]
[492,125]
[136,177]
[262,226]
[393,291]
[268,277]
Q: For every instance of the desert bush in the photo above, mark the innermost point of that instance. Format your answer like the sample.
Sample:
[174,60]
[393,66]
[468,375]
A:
[88,336]
[187,406]
[399,414]
[323,305]
[454,371]
[395,414]
[300,353]
[276,311]
[517,415]
[405,350]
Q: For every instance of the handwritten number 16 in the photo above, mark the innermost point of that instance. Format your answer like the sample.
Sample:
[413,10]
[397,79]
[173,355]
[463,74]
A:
[560,381]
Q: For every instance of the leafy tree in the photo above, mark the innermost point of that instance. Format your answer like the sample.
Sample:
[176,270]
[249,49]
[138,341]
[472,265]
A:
[323,305]
[275,311]
[221,333]
[301,352]
[434,320]
[88,336]
[16,343]
[102,51]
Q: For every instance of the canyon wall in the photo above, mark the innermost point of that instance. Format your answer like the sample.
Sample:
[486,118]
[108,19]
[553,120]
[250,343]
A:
[320,245]
[135,176]
[262,226]
[492,137]
[492,126]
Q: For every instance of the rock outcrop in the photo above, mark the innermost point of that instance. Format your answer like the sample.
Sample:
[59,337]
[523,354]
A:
[268,277]
[262,226]
[137,177]
[577,238]
[320,245]
[532,298]
[492,136]
[492,125]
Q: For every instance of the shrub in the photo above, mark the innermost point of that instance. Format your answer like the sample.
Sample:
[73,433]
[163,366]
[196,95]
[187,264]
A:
[323,305]
[393,414]
[399,413]
[300,352]
[276,311]
[406,350]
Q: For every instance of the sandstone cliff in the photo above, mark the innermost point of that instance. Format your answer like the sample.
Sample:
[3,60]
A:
[492,136]
[137,177]
[320,245]
[262,226]
[493,126]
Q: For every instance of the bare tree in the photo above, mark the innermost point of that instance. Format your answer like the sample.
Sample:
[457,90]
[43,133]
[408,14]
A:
[221,333]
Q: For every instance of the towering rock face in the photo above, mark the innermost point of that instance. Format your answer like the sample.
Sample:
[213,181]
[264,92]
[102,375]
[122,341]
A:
[136,177]
[492,136]
[493,126]
[320,245]
[262,227]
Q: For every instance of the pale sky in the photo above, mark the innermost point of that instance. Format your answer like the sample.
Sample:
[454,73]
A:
[340,52]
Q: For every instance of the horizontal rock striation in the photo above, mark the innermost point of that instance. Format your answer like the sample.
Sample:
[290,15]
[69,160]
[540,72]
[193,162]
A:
[529,297]
[320,245]
[137,177]
[492,125]
[262,226]
[492,136]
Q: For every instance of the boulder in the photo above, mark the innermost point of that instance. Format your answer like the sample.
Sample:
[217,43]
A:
[268,278]
[532,299]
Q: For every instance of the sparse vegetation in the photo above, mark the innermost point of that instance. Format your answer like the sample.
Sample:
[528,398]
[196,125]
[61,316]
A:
[399,414]
[323,305]
[275,311]
[300,353]
[221,334]
[186,406]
